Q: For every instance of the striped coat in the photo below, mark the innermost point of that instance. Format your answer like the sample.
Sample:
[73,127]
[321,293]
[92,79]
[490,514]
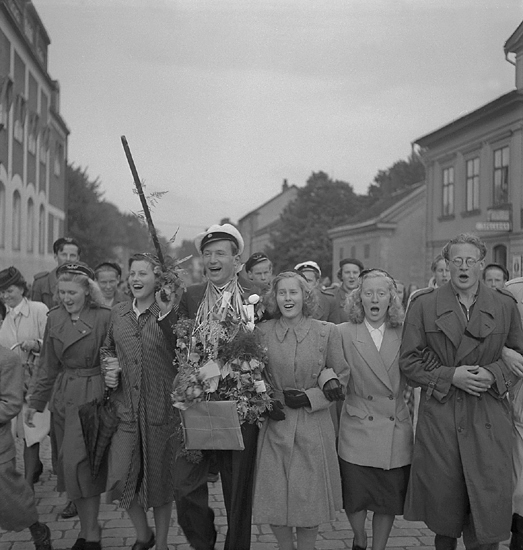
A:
[141,456]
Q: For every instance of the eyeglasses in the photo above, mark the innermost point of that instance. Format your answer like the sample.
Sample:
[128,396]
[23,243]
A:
[365,272]
[470,262]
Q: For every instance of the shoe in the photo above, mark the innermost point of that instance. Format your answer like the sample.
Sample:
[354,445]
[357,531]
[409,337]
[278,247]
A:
[92,545]
[70,510]
[356,547]
[79,544]
[212,478]
[144,545]
[38,472]
[41,536]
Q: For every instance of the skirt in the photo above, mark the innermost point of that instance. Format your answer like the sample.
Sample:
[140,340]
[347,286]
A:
[374,489]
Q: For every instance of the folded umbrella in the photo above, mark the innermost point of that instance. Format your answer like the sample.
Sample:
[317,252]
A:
[99,422]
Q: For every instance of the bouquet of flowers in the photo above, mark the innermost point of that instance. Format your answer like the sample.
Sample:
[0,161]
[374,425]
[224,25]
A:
[224,362]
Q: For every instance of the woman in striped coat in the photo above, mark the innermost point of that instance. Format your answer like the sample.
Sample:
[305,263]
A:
[141,455]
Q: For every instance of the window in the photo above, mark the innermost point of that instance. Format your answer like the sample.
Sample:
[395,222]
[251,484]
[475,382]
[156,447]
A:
[6,99]
[473,184]
[17,220]
[33,131]
[353,251]
[499,252]
[366,251]
[58,158]
[2,215]
[41,230]
[30,225]
[501,164]
[341,253]
[45,132]
[448,191]
[20,114]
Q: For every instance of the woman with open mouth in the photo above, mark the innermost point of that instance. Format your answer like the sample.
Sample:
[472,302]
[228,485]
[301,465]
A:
[375,436]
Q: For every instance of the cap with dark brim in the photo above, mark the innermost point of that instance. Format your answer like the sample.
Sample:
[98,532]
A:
[217,236]
[75,269]
[111,265]
[10,276]
[255,259]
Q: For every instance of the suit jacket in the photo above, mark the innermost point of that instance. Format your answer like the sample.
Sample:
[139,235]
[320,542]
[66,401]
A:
[375,425]
[11,398]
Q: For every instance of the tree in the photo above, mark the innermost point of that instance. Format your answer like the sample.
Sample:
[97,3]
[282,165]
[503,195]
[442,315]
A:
[402,174]
[104,233]
[301,233]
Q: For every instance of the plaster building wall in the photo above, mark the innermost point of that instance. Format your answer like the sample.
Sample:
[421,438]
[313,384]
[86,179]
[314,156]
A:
[33,143]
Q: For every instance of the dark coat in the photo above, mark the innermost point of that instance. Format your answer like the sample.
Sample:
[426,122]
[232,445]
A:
[144,443]
[11,399]
[44,288]
[463,446]
[338,314]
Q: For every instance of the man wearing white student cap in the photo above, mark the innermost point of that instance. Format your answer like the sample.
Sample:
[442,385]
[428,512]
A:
[220,247]
[311,271]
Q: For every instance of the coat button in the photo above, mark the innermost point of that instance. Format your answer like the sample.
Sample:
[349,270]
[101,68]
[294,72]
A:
[391,418]
[321,349]
[370,398]
[371,418]
[488,425]
[460,429]
[391,397]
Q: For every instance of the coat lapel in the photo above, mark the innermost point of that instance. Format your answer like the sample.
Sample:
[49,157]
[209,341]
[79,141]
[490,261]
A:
[449,319]
[370,354]
[480,325]
[70,332]
[390,347]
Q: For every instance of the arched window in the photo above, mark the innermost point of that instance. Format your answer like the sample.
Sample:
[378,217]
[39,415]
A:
[41,230]
[30,225]
[2,215]
[17,220]
[499,252]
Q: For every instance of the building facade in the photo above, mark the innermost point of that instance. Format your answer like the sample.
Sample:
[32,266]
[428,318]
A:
[256,226]
[390,235]
[33,143]
[474,168]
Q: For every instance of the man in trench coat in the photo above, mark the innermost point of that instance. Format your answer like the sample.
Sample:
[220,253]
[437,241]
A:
[463,448]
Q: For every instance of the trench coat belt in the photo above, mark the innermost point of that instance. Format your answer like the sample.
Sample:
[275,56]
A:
[278,395]
[83,372]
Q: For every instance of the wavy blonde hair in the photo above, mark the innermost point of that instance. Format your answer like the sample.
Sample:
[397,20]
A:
[395,312]
[309,298]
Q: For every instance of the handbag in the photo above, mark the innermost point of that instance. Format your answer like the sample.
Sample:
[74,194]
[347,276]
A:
[212,425]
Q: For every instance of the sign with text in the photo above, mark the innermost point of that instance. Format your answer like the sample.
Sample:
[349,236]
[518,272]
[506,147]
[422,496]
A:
[493,226]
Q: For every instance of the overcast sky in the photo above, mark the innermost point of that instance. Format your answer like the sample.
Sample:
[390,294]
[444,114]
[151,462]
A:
[221,100]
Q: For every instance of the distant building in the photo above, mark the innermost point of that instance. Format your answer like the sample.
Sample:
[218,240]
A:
[390,235]
[33,143]
[256,226]
[474,168]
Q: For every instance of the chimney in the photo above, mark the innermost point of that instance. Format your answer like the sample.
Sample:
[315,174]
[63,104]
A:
[285,186]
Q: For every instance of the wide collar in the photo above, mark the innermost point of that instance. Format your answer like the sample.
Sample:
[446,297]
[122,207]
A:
[300,330]
[465,336]
[127,308]
[69,332]
[379,362]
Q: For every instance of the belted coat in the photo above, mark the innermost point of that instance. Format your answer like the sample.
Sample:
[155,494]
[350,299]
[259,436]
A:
[69,376]
[463,448]
[297,474]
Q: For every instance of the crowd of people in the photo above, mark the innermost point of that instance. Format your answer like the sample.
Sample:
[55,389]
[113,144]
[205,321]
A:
[382,397]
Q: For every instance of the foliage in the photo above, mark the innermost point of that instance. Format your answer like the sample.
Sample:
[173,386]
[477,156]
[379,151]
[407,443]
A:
[98,225]
[402,174]
[302,232]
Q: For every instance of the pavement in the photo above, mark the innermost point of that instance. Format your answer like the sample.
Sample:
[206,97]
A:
[118,532]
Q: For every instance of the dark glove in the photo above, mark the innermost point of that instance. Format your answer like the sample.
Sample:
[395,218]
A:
[333,390]
[276,411]
[296,399]
[430,360]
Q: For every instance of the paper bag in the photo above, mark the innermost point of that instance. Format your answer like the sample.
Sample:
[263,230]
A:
[212,425]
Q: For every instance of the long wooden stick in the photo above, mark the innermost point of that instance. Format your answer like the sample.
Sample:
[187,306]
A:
[143,200]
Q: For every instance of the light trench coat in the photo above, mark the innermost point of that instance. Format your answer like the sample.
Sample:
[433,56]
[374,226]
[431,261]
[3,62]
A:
[297,479]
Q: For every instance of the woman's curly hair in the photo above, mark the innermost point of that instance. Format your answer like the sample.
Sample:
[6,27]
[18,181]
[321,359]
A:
[94,297]
[395,312]
[310,301]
